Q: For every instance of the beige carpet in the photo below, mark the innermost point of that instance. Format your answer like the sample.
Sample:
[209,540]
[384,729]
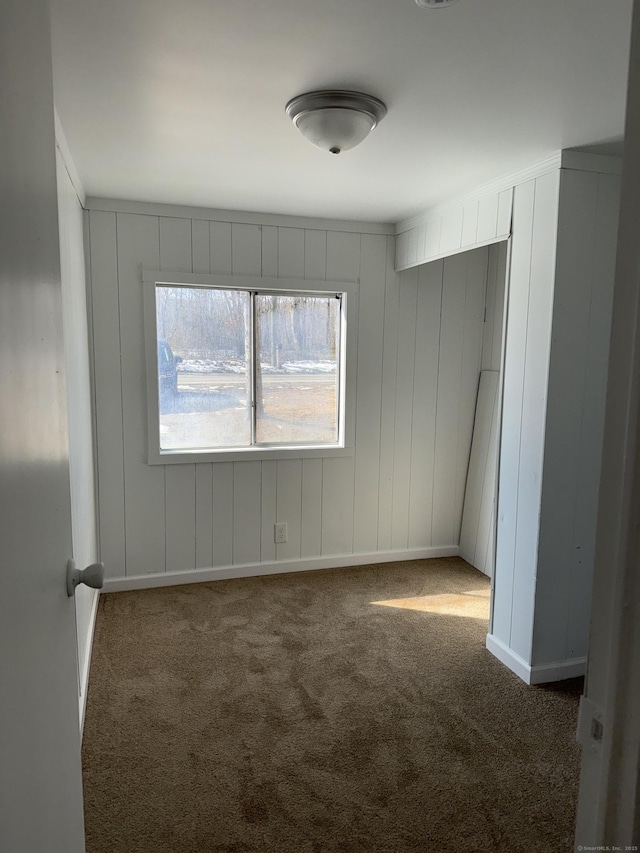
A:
[321,712]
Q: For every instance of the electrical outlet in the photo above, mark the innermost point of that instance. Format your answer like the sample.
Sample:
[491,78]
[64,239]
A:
[279,533]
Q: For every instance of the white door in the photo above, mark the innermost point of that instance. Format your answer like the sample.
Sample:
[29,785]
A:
[40,770]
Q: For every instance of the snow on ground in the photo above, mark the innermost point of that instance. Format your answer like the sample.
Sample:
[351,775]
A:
[207,365]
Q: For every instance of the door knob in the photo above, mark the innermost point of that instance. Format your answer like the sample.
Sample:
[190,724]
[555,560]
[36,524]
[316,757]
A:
[92,576]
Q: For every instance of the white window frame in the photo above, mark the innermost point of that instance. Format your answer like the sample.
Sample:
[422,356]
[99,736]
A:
[348,290]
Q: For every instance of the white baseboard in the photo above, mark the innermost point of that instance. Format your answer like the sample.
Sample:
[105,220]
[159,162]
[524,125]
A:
[536,673]
[246,570]
[84,675]
[558,670]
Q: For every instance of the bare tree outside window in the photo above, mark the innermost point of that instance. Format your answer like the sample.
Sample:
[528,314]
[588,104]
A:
[297,391]
[222,386]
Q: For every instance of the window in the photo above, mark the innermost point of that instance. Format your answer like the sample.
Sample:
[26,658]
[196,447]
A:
[239,370]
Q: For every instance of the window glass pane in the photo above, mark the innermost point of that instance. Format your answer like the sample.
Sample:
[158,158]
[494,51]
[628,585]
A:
[203,376]
[297,369]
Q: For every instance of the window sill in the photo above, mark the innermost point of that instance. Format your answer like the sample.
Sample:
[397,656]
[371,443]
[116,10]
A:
[248,454]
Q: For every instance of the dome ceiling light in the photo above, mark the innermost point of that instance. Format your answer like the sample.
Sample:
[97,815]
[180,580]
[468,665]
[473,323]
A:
[435,4]
[334,119]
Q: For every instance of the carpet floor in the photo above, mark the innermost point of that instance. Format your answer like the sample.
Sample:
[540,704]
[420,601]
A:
[321,712]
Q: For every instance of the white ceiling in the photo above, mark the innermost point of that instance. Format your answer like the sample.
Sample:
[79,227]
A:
[182,101]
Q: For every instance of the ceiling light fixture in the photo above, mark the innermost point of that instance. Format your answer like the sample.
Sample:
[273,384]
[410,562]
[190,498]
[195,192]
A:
[334,119]
[435,4]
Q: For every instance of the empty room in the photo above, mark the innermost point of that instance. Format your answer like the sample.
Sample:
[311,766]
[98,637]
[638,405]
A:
[311,472]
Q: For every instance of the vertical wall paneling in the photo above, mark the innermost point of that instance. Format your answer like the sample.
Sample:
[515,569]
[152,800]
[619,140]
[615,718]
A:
[533,406]
[369,393]
[557,548]
[315,254]
[291,252]
[487,218]
[138,245]
[561,279]
[176,255]
[268,518]
[432,238]
[107,391]
[485,537]
[582,308]
[180,517]
[223,516]
[247,505]
[505,200]
[439,233]
[513,382]
[481,480]
[447,416]
[425,396]
[337,506]
[490,310]
[343,256]
[270,251]
[289,506]
[422,238]
[471,361]
[200,246]
[439,357]
[596,361]
[311,520]
[478,519]
[451,230]
[388,405]
[469,224]
[175,244]
[494,317]
[220,247]
[246,249]
[222,513]
[201,259]
[204,516]
[405,369]
[343,264]
[402,243]
[412,246]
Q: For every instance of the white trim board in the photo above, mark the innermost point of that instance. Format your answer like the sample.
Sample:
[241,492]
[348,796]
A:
[535,673]
[84,674]
[248,570]
[149,208]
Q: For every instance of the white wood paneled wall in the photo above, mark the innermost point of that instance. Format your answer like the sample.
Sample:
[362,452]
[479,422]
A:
[582,306]
[561,277]
[443,232]
[477,536]
[81,449]
[420,340]
[532,277]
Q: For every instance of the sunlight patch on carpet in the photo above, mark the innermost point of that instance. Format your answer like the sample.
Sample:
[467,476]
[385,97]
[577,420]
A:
[473,604]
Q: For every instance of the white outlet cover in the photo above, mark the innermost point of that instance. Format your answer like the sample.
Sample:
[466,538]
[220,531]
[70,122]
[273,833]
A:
[280,533]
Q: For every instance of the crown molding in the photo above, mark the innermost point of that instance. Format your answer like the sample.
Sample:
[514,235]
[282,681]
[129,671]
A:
[114,205]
